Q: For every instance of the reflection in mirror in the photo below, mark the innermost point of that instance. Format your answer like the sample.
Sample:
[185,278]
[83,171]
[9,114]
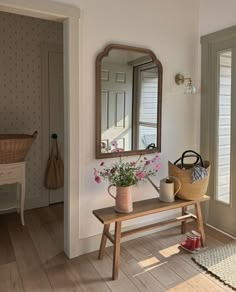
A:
[129,101]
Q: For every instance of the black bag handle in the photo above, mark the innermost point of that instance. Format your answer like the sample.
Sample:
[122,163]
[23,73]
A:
[55,147]
[195,154]
[186,156]
[151,146]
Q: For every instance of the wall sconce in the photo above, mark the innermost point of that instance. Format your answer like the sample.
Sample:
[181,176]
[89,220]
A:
[189,88]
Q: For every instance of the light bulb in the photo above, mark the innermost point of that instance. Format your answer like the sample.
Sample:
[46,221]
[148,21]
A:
[189,89]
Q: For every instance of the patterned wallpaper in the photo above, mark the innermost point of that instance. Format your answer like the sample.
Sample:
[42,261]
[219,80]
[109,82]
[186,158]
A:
[20,83]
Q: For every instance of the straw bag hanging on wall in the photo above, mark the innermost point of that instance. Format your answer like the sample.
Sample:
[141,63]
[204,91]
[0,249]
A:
[54,176]
[190,189]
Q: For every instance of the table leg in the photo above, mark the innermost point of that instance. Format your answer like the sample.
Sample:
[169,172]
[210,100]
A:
[18,196]
[22,202]
[116,254]
[103,241]
[200,223]
[183,223]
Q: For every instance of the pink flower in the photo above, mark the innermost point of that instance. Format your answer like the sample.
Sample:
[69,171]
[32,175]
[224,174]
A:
[97,179]
[157,167]
[147,162]
[155,159]
[114,143]
[140,174]
[132,163]
[95,172]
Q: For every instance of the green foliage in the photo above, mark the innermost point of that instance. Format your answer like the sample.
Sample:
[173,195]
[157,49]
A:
[124,173]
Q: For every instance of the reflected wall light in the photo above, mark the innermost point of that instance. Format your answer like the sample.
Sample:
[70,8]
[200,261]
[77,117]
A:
[189,88]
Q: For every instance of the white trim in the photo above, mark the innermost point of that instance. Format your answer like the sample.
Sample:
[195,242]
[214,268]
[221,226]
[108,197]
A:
[227,234]
[70,17]
[71,98]
[41,9]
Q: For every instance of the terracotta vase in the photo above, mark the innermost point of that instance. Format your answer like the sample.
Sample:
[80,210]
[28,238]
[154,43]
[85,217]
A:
[123,198]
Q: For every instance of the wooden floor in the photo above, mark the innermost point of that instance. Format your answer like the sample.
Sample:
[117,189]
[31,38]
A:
[31,259]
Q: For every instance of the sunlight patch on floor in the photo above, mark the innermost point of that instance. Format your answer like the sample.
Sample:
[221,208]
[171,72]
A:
[182,287]
[150,268]
[170,251]
[149,262]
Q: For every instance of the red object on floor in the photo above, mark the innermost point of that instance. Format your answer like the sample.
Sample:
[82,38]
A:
[198,239]
[190,243]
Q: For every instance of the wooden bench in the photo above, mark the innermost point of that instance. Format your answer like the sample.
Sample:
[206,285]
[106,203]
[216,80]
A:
[143,208]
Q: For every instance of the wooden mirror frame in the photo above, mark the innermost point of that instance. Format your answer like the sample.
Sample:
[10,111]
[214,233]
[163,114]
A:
[107,49]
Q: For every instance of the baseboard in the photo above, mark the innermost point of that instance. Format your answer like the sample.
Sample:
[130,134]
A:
[92,243]
[221,231]
[34,203]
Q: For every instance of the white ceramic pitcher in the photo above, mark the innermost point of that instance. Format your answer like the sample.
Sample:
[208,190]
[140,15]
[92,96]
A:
[167,188]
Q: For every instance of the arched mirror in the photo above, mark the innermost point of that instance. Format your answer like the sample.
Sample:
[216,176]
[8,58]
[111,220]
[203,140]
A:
[128,101]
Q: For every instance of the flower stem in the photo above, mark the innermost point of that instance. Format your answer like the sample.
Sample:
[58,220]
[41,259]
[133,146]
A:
[138,159]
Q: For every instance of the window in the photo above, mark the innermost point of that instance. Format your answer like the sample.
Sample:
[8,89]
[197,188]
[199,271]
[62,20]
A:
[146,107]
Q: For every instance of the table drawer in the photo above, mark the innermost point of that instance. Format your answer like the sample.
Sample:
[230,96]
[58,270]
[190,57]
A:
[10,173]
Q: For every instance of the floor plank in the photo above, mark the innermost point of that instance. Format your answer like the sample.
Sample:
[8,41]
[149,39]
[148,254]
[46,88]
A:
[6,249]
[60,275]
[58,210]
[140,276]
[46,215]
[62,279]
[43,241]
[32,274]
[87,276]
[158,269]
[52,225]
[10,280]
[103,267]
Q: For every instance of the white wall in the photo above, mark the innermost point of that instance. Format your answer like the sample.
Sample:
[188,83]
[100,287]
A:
[172,34]
[215,15]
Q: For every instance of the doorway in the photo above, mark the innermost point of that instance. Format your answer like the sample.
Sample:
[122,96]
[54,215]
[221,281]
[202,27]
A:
[69,16]
[218,137]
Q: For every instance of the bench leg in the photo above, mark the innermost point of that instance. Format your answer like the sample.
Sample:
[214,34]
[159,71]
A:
[103,241]
[116,255]
[183,223]
[200,223]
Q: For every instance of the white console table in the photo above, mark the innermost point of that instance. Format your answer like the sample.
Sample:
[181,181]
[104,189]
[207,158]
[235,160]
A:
[10,174]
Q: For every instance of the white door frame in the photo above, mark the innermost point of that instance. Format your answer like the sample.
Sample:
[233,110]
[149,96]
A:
[69,15]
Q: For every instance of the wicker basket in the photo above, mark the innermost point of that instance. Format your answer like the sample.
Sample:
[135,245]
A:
[183,171]
[14,147]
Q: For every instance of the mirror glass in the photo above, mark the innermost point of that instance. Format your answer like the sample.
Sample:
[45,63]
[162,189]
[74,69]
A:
[129,102]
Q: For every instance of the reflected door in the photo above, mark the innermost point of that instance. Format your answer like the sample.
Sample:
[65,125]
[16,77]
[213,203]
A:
[117,82]
[222,211]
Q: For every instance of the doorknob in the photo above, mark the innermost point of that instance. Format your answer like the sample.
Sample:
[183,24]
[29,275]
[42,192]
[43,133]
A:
[54,136]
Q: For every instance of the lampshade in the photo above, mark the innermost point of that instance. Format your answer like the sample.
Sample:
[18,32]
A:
[189,88]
